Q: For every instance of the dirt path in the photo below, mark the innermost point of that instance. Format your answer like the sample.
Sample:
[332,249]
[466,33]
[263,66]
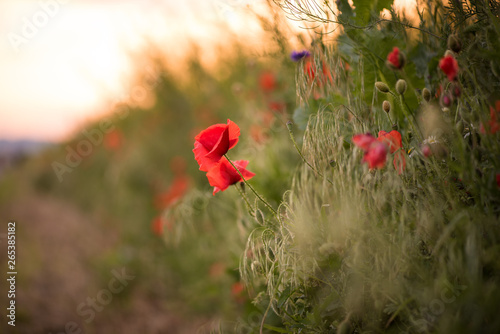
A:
[56,251]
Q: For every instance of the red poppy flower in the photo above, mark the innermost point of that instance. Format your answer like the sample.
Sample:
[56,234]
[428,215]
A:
[213,142]
[222,175]
[498,179]
[394,59]
[364,141]
[376,155]
[267,82]
[391,139]
[375,151]
[449,66]
[394,142]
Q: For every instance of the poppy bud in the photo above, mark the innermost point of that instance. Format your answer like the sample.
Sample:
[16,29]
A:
[386,105]
[454,43]
[426,94]
[396,59]
[449,53]
[401,86]
[426,151]
[382,87]
[332,163]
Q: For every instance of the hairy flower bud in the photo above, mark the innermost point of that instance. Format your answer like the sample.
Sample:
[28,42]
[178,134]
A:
[382,87]
[401,86]
[386,105]
[454,43]
[449,53]
[426,94]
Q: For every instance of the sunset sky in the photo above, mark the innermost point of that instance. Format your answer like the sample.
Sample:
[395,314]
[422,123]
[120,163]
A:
[63,62]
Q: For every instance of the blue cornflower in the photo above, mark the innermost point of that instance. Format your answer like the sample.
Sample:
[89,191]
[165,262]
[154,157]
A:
[298,55]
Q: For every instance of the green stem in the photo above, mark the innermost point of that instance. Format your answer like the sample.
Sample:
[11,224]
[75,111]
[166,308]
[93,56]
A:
[289,126]
[410,117]
[251,188]
[242,194]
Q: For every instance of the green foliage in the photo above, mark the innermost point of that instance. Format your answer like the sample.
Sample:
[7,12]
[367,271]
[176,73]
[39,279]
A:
[349,249]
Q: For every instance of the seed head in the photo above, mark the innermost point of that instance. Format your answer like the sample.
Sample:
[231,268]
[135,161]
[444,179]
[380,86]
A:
[386,105]
[426,94]
[401,86]
[382,87]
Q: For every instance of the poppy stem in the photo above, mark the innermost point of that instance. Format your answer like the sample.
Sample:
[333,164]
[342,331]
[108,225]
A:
[410,116]
[242,194]
[289,126]
[251,188]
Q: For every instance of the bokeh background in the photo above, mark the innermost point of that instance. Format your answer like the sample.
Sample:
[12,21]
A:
[117,231]
[156,72]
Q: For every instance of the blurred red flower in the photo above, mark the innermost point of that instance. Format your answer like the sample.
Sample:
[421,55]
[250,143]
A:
[276,106]
[393,58]
[364,141]
[237,290]
[493,124]
[257,133]
[394,142]
[376,155]
[113,140]
[449,66]
[158,225]
[375,151]
[498,179]
[213,142]
[177,189]
[391,139]
[267,82]
[311,70]
[222,175]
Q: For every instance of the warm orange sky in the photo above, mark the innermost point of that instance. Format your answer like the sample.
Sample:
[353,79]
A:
[62,62]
